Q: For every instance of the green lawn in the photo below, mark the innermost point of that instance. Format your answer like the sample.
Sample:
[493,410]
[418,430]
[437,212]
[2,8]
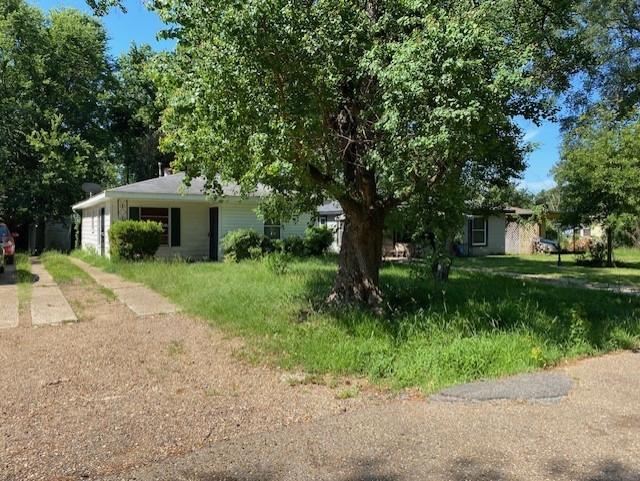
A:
[627,272]
[476,326]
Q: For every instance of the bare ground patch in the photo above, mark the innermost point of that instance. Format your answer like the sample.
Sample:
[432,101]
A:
[116,391]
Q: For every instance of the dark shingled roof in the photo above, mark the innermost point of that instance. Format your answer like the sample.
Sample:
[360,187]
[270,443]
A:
[173,184]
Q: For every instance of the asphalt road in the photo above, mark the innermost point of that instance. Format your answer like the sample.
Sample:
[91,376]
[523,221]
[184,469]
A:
[592,434]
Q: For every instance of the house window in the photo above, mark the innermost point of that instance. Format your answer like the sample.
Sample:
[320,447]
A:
[479,231]
[272,229]
[323,220]
[157,214]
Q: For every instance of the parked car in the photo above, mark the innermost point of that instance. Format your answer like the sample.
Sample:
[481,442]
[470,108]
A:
[1,260]
[546,245]
[7,244]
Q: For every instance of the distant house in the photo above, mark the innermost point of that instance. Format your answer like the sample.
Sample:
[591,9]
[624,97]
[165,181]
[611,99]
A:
[330,215]
[193,224]
[509,230]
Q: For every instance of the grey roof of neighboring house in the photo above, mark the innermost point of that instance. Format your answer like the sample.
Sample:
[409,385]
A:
[330,208]
[174,184]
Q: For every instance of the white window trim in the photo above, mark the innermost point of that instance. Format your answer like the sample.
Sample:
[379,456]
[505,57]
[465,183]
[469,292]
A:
[168,244]
[485,230]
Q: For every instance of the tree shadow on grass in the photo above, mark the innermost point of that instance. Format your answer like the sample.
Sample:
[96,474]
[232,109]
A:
[470,304]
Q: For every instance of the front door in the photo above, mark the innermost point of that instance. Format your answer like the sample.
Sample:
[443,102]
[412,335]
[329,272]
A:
[213,233]
[102,231]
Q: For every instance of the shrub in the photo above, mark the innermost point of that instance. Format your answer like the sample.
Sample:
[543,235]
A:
[278,262]
[595,255]
[294,245]
[134,239]
[317,240]
[237,244]
[255,253]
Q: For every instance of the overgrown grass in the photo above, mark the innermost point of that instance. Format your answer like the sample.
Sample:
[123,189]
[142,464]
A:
[63,271]
[475,326]
[24,279]
[627,271]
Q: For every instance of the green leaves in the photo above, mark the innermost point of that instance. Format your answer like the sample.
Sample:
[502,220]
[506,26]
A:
[312,98]
[54,73]
[599,174]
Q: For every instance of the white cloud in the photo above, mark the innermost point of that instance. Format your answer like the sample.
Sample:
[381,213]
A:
[530,135]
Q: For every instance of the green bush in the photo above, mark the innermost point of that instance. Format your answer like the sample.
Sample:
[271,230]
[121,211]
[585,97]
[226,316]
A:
[134,239]
[317,240]
[238,244]
[294,245]
[278,262]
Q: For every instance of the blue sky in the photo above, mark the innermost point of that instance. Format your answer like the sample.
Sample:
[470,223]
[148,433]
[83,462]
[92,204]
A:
[141,26]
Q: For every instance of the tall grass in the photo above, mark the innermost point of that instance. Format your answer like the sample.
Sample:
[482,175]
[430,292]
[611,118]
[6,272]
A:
[475,326]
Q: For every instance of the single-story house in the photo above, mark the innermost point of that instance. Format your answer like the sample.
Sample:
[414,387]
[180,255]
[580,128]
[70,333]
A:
[509,230]
[194,224]
[330,215]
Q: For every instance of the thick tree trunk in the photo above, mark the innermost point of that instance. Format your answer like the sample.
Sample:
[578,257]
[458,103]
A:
[609,247]
[358,278]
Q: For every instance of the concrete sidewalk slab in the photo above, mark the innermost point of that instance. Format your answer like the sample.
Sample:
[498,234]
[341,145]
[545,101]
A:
[8,306]
[8,298]
[140,299]
[48,304]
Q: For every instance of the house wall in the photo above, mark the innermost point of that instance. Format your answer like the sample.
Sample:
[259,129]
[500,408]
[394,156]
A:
[194,223]
[335,225]
[495,238]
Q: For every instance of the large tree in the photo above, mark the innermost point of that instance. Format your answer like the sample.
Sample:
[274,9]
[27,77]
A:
[54,73]
[599,172]
[134,115]
[374,103]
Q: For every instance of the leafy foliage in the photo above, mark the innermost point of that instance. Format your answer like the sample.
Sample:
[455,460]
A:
[317,240]
[375,104]
[134,116]
[599,173]
[239,244]
[54,72]
[134,239]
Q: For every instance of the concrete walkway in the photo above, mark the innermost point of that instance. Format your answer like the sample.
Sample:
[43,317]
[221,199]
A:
[555,281]
[8,298]
[140,299]
[48,304]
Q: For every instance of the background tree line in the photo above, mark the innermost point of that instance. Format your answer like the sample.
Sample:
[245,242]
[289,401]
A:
[69,113]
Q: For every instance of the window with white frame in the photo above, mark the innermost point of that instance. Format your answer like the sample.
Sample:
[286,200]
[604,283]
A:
[272,229]
[323,220]
[479,227]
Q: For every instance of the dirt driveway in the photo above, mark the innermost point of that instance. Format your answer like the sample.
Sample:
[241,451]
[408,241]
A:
[165,398]
[117,391]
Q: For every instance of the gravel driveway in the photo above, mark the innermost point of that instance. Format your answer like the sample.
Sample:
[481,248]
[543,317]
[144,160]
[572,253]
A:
[117,391]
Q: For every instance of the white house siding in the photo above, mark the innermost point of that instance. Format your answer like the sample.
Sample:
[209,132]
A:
[194,223]
[90,228]
[495,238]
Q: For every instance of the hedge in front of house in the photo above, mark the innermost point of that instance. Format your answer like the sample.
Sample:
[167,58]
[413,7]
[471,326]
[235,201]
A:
[238,244]
[134,239]
[317,240]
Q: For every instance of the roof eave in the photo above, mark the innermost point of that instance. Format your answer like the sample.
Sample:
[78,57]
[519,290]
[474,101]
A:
[90,202]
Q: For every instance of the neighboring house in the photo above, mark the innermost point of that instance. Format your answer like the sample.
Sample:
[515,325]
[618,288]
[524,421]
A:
[50,235]
[330,215]
[505,231]
[193,223]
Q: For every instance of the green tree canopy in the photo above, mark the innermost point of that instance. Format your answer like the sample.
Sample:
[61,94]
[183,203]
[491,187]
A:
[599,172]
[55,73]
[134,115]
[372,103]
